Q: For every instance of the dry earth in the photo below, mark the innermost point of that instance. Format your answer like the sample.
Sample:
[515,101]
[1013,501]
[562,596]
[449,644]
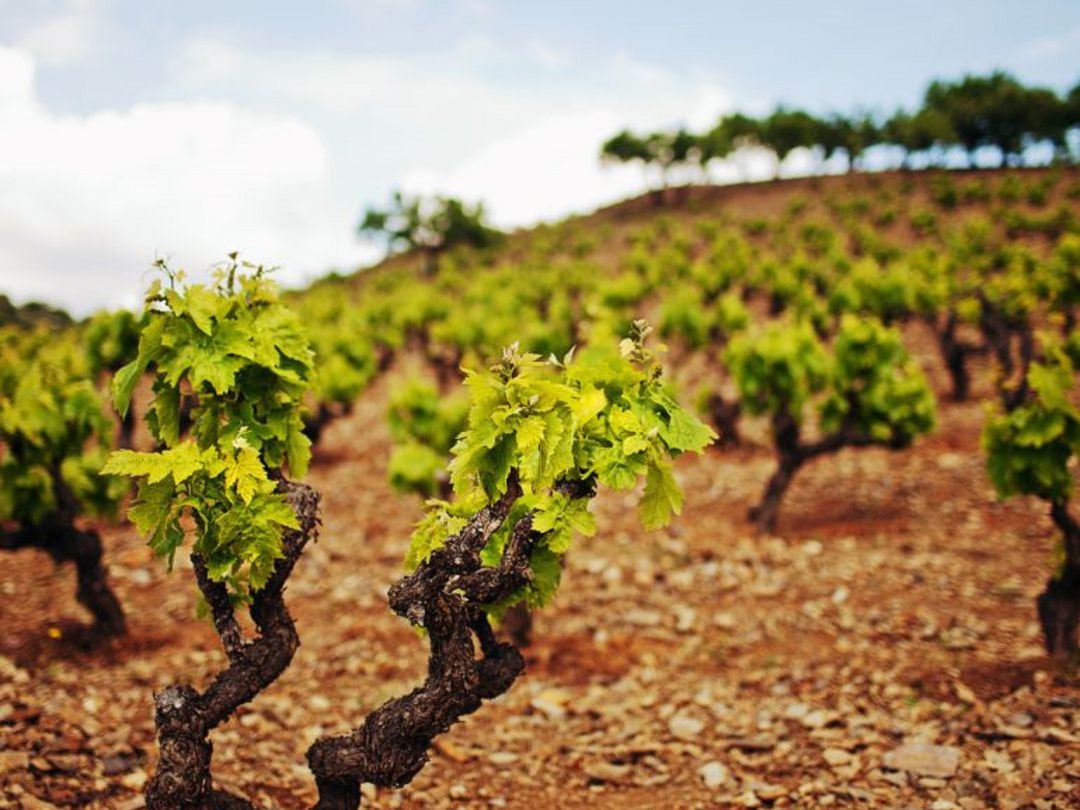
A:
[703,666]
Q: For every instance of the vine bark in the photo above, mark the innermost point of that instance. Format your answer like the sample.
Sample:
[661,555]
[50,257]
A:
[185,717]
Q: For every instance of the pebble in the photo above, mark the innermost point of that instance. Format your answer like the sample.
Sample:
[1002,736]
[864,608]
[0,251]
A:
[768,792]
[836,756]
[749,799]
[923,759]
[714,774]
[760,742]
[136,780]
[14,761]
[685,727]
[552,703]
[604,771]
[816,719]
[458,791]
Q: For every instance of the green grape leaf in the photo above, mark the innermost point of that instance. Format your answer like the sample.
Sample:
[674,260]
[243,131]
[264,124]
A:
[662,497]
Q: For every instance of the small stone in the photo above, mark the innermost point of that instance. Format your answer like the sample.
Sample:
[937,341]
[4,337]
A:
[31,802]
[452,751]
[685,618]
[140,576]
[965,693]
[796,711]
[1058,735]
[1020,719]
[685,727]
[319,703]
[502,758]
[998,760]
[923,759]
[136,780]
[836,756]
[643,618]
[714,774]
[748,799]
[66,762]
[14,761]
[769,792]
[898,778]
[944,804]
[606,771]
[816,719]
[458,791]
[759,742]
[551,703]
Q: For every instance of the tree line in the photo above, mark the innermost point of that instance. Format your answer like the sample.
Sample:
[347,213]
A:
[958,117]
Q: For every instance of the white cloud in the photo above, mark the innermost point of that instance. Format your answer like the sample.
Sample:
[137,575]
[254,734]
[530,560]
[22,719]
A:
[87,202]
[451,125]
[68,31]
[542,172]
[548,57]
[274,153]
[1052,46]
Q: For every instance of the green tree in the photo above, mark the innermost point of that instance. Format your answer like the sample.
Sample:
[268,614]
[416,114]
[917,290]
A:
[785,130]
[429,225]
[663,150]
[995,110]
[730,134]
[853,135]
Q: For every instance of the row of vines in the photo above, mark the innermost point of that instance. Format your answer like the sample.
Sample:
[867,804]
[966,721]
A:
[524,379]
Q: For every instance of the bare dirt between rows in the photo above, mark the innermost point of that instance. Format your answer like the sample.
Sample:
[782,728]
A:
[895,605]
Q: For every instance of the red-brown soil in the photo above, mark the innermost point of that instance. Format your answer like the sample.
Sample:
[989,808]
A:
[896,603]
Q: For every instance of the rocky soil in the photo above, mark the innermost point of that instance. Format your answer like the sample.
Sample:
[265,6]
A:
[881,651]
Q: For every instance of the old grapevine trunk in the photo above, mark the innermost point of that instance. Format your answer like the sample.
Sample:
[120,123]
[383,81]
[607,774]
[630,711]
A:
[443,595]
[184,716]
[65,543]
[955,352]
[792,453]
[1059,604]
[725,415]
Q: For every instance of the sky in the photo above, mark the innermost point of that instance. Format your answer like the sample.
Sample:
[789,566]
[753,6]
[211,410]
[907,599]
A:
[143,129]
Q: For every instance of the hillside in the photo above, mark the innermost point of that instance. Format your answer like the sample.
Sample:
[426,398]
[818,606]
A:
[706,665]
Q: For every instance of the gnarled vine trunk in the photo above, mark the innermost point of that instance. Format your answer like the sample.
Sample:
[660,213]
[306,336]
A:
[58,537]
[792,453]
[66,543]
[1059,604]
[955,353]
[185,717]
[725,415]
[444,595]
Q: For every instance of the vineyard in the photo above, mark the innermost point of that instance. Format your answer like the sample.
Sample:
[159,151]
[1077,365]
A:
[751,496]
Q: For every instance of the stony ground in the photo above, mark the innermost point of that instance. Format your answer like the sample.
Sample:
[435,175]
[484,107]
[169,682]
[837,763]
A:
[881,651]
